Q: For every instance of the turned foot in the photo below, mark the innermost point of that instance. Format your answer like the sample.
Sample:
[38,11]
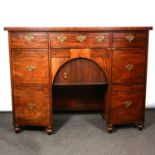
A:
[110,128]
[140,125]
[17,129]
[49,130]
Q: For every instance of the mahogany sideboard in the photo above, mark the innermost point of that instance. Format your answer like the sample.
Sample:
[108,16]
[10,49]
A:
[78,68]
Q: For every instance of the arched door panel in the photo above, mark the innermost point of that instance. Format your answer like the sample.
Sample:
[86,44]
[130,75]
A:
[80,71]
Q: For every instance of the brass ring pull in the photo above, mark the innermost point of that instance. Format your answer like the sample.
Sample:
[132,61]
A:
[127,103]
[61,38]
[129,67]
[65,74]
[130,37]
[81,38]
[31,106]
[29,37]
[30,68]
[100,38]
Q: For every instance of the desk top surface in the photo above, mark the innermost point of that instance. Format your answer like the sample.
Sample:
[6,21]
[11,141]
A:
[78,29]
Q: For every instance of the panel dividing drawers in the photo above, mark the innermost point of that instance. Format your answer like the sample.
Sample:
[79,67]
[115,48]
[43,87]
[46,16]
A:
[127,103]
[79,40]
[30,66]
[129,65]
[31,105]
[29,40]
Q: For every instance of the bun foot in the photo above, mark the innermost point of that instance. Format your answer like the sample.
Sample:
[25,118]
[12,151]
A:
[140,126]
[17,129]
[110,128]
[49,130]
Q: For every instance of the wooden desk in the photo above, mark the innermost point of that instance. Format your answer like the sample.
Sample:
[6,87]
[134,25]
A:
[98,68]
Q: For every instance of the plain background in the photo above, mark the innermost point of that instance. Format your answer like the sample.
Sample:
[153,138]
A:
[74,13]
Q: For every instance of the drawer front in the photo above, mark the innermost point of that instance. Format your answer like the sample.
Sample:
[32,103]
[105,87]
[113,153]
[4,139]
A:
[31,105]
[127,103]
[80,71]
[30,67]
[79,40]
[128,66]
[121,40]
[29,40]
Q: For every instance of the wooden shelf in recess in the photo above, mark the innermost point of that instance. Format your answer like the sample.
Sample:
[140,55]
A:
[79,84]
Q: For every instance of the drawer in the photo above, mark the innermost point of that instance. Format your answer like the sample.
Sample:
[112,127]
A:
[79,40]
[80,71]
[31,105]
[121,40]
[128,66]
[30,66]
[127,103]
[29,40]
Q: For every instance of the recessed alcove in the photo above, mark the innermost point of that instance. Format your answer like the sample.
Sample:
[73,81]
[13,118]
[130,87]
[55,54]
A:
[79,85]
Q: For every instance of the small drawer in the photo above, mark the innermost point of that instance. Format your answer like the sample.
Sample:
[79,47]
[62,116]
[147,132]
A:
[79,40]
[31,105]
[127,103]
[60,53]
[121,40]
[128,66]
[29,40]
[30,66]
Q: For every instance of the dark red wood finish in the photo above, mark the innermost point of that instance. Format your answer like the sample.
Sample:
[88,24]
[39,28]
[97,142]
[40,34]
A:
[70,69]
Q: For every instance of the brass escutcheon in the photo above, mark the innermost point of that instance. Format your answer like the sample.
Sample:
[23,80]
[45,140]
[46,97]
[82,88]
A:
[30,68]
[100,38]
[31,106]
[127,103]
[62,38]
[29,37]
[65,74]
[129,67]
[81,38]
[130,37]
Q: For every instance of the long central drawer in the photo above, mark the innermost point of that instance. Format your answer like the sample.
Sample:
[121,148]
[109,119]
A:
[79,40]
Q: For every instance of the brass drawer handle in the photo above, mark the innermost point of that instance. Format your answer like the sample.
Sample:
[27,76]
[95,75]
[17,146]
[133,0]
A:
[81,38]
[62,38]
[31,106]
[100,38]
[29,37]
[30,68]
[130,37]
[65,74]
[129,67]
[127,103]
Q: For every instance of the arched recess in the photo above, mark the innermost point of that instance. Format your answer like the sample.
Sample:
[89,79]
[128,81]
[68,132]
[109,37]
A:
[80,71]
[82,96]
[101,62]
